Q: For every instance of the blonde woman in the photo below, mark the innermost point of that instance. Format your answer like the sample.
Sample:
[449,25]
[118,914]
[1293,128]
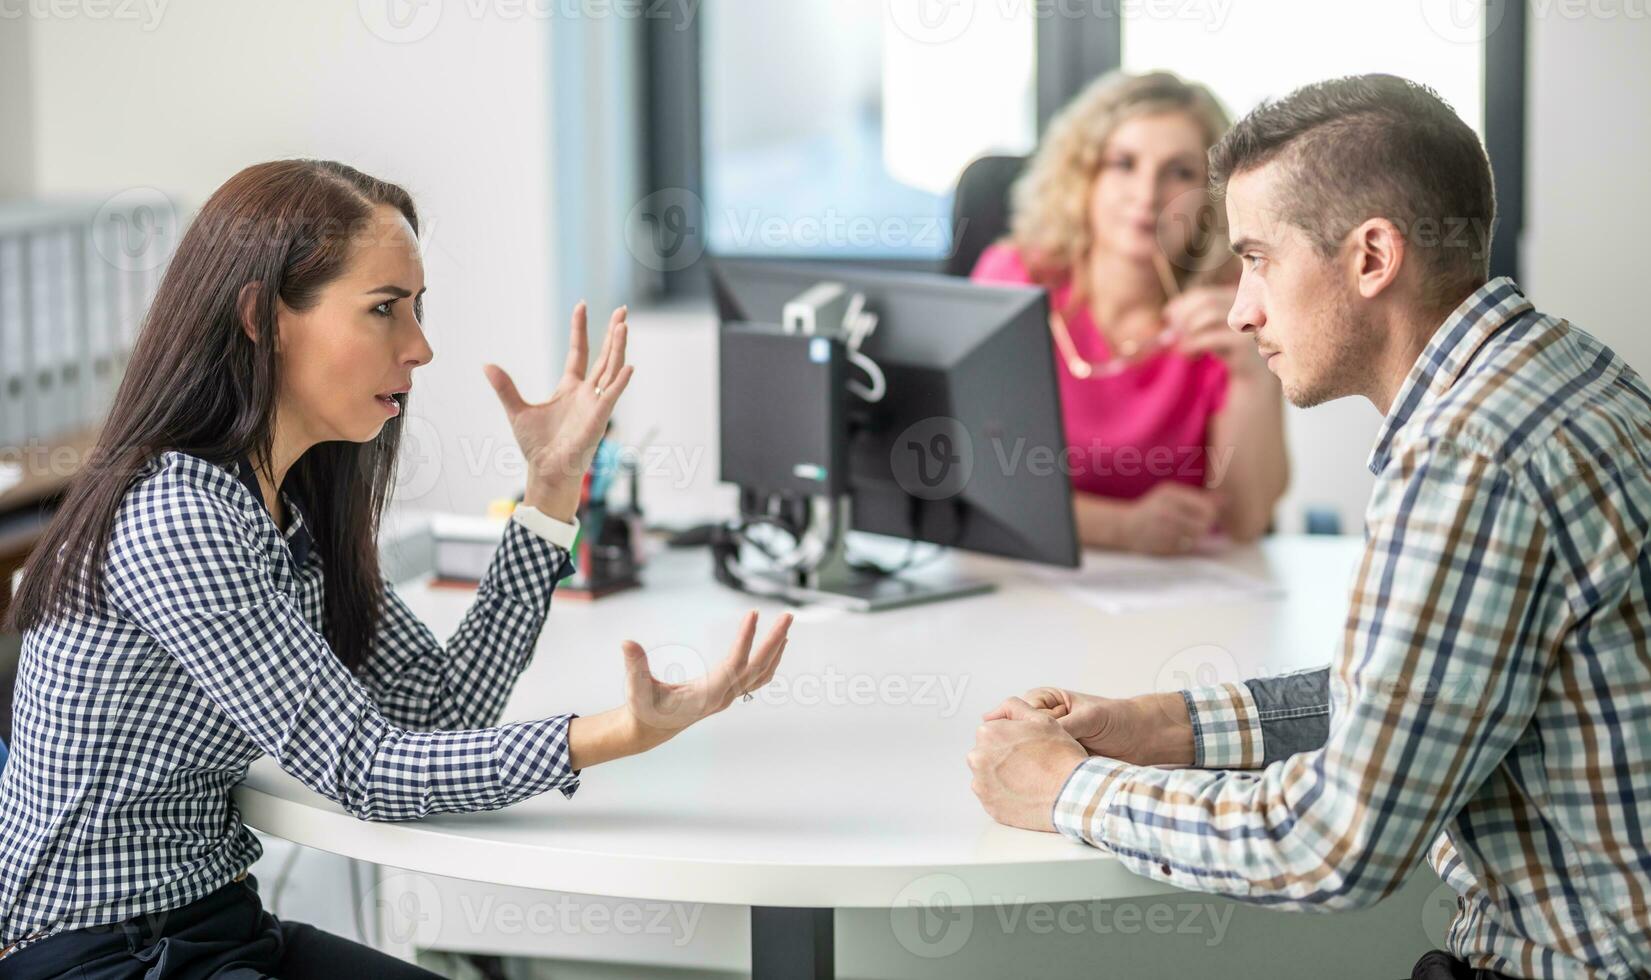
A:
[1174,426]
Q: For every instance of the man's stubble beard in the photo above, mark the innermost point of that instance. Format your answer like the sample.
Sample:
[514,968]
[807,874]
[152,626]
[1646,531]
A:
[1346,358]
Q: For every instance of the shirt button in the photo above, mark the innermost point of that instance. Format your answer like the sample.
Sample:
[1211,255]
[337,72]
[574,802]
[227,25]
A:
[1164,867]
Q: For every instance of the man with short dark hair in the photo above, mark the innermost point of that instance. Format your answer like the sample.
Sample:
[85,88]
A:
[1490,706]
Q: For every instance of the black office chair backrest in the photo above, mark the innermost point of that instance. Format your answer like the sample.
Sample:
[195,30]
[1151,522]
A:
[980,209]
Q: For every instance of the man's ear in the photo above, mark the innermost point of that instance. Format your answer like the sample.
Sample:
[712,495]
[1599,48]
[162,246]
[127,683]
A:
[1378,256]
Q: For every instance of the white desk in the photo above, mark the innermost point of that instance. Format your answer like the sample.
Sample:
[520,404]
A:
[843,785]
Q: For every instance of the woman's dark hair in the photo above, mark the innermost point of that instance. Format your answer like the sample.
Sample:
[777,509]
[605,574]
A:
[196,382]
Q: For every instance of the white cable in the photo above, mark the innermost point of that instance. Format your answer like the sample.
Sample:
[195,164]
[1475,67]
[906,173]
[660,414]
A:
[858,323]
[879,386]
[851,319]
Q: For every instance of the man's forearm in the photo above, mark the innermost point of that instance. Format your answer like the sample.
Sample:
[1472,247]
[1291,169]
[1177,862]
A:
[1166,730]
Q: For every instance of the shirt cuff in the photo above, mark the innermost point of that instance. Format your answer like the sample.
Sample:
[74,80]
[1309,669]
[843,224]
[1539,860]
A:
[527,567]
[558,533]
[534,756]
[1080,809]
[1226,727]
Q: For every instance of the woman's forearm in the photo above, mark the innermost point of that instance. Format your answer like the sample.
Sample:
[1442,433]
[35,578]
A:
[612,734]
[1249,466]
[1100,520]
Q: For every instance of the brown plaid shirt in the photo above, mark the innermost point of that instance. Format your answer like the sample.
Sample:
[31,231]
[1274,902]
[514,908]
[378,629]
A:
[1490,703]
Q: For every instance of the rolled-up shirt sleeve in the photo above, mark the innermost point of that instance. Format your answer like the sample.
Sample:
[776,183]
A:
[1260,721]
[1226,728]
[186,570]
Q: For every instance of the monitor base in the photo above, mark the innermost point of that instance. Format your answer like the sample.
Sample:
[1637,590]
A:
[818,572]
[874,594]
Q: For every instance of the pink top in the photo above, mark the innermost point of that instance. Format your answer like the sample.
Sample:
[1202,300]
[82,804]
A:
[1126,432]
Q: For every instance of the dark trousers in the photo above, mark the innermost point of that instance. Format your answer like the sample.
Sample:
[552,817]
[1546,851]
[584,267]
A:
[226,935]
[1436,964]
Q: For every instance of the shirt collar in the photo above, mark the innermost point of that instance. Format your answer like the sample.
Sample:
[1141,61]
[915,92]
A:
[297,532]
[1448,354]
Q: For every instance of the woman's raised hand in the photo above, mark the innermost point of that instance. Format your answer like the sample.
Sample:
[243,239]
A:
[1198,317]
[558,436]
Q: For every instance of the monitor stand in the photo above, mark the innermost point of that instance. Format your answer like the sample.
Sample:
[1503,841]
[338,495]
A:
[825,577]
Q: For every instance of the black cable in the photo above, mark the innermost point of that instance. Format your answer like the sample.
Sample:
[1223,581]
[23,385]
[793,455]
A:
[725,546]
[758,510]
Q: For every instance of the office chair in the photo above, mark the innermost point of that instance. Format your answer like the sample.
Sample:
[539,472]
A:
[980,209]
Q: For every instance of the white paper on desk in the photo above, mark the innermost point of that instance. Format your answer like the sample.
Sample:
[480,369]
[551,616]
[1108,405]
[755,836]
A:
[1126,583]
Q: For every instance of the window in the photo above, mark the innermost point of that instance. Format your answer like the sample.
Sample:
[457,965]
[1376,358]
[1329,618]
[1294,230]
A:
[1472,52]
[1248,52]
[837,128]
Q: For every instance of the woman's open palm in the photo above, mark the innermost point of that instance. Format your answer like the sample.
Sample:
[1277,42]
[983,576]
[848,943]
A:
[558,436]
[666,708]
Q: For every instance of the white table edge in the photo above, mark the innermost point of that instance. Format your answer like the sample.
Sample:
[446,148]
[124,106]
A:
[407,845]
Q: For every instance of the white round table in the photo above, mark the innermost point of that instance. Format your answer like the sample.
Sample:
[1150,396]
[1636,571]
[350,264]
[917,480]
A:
[844,784]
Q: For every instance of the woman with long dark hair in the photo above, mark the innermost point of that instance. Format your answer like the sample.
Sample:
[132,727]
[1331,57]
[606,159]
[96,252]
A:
[209,592]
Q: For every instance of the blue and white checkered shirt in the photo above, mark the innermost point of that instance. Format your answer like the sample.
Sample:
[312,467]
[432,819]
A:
[133,722]
[1490,704]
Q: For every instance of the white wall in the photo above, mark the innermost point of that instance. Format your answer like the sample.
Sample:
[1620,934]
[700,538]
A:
[1588,146]
[16,108]
[458,116]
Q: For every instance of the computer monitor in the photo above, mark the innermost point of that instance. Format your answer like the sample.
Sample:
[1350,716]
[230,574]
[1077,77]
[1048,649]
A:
[964,448]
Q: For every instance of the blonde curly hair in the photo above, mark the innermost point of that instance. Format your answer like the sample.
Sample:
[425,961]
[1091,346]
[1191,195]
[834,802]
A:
[1049,203]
